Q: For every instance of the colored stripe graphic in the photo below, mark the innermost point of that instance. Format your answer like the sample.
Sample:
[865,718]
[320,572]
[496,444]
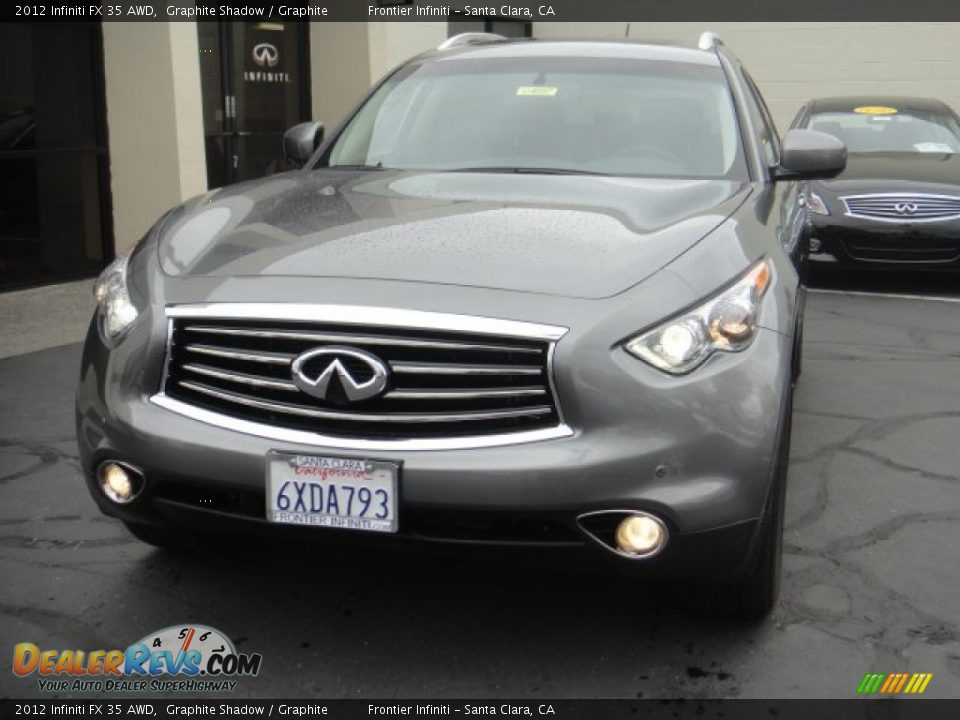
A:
[894,683]
[891,681]
[870,683]
[903,680]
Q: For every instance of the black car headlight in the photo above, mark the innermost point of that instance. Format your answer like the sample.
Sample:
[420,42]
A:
[117,311]
[725,323]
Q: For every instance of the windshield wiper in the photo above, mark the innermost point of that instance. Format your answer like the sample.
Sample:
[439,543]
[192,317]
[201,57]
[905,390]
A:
[378,166]
[528,170]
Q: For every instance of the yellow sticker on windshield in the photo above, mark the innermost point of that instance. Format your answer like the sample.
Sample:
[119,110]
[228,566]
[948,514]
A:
[537,91]
[875,110]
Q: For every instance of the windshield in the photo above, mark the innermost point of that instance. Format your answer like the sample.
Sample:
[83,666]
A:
[886,129]
[577,115]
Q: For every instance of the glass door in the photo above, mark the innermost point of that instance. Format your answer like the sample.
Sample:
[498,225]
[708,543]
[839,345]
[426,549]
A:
[255,86]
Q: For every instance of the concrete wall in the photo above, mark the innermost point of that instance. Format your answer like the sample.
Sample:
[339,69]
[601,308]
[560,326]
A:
[792,62]
[154,122]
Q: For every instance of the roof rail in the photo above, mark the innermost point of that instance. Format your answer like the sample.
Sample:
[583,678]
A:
[469,38]
[709,41]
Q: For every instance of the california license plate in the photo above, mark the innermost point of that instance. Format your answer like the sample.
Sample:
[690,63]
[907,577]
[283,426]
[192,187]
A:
[347,493]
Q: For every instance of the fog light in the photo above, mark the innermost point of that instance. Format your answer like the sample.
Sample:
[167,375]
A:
[816,246]
[640,535]
[120,484]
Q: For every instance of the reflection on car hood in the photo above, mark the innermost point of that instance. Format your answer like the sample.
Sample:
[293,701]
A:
[581,236]
[894,172]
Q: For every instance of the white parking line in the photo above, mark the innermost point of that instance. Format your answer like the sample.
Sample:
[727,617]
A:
[898,296]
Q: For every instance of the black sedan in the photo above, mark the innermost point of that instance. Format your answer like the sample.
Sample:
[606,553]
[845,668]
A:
[897,204]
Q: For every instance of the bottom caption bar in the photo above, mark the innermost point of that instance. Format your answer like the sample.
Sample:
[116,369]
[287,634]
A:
[567,709]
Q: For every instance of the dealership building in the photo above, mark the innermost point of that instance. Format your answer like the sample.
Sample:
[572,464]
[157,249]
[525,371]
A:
[103,126]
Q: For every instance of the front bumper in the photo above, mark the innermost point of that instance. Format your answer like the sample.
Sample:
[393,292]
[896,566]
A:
[697,451]
[869,244]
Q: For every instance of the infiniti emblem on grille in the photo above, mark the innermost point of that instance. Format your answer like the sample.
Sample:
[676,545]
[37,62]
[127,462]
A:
[360,375]
[906,208]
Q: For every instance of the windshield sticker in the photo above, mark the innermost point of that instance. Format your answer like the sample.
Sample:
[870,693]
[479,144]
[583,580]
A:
[933,147]
[536,91]
[875,110]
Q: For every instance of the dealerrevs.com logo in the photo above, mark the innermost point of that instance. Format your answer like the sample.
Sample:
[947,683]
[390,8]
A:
[180,658]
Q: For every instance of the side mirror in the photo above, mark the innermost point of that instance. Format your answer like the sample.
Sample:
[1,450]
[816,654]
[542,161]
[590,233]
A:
[300,141]
[810,155]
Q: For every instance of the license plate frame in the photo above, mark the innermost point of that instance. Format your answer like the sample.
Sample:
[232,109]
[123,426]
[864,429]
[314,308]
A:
[306,481]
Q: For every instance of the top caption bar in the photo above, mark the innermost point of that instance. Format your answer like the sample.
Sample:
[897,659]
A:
[635,11]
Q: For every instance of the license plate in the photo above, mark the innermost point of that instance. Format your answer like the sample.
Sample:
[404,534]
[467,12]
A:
[348,493]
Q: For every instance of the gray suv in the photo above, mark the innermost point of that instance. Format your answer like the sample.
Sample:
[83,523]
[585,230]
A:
[529,295]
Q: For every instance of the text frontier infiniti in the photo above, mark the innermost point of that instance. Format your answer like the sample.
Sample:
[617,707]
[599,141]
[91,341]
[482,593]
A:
[445,11]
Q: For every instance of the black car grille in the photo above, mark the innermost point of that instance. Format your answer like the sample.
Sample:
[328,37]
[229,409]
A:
[905,250]
[440,383]
[903,208]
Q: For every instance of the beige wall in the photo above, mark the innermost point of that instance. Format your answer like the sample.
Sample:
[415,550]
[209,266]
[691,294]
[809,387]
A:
[154,122]
[347,58]
[394,43]
[339,68]
[792,62]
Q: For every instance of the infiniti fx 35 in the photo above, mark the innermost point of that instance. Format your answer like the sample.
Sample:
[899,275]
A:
[535,295]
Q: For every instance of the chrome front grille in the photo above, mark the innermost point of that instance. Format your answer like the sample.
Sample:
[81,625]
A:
[441,383]
[903,208]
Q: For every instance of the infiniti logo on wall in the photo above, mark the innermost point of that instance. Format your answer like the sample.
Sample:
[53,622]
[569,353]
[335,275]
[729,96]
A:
[360,374]
[266,55]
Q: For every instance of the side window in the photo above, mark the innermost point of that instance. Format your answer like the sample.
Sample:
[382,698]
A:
[762,122]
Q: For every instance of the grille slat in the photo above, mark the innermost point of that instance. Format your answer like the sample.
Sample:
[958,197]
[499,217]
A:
[275,358]
[462,394]
[441,384]
[903,208]
[455,369]
[361,417]
[343,338]
[242,378]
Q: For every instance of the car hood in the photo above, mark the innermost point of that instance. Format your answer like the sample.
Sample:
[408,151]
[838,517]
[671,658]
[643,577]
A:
[579,236]
[897,172]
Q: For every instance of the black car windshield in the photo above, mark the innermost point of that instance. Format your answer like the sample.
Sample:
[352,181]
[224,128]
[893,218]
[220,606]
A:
[877,128]
[549,114]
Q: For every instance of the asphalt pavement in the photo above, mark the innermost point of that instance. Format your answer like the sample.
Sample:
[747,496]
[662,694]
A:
[871,578]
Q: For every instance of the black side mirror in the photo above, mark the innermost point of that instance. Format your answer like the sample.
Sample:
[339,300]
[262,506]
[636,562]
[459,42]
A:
[810,155]
[300,141]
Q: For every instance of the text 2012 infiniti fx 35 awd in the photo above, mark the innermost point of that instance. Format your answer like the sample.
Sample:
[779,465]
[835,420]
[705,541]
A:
[528,294]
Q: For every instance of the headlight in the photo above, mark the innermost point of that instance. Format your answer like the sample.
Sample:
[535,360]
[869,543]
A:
[815,204]
[115,307]
[726,323]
